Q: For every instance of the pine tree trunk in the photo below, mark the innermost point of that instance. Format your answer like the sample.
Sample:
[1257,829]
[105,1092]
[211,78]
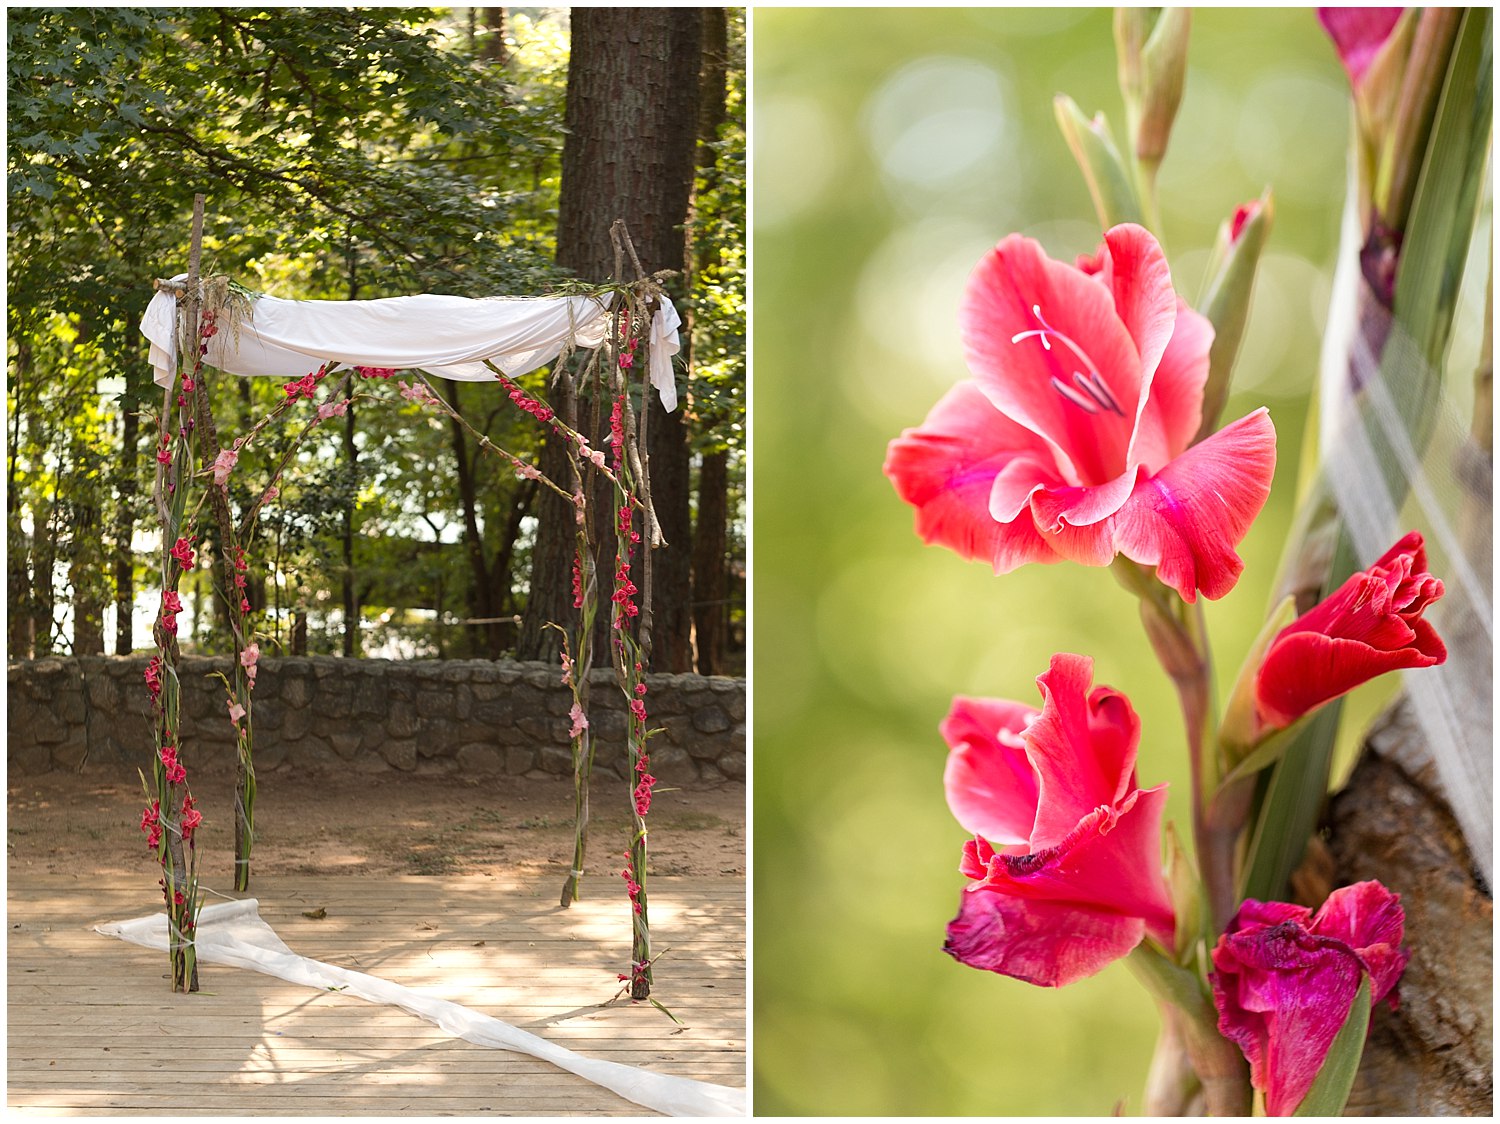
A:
[710,564]
[632,104]
[127,487]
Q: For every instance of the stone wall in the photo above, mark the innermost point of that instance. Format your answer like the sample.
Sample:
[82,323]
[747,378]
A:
[426,716]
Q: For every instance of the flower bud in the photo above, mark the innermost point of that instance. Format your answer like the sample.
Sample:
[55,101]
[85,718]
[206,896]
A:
[1093,146]
[1152,49]
[1226,298]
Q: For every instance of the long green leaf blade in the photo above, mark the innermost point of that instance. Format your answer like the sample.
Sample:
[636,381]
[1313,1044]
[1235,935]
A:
[1330,1089]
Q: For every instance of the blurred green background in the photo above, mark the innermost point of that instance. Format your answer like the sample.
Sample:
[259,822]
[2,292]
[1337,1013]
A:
[892,148]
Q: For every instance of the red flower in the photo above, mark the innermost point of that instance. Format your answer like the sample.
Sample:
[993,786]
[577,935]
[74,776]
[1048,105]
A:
[1284,981]
[1369,625]
[182,551]
[191,818]
[1073,438]
[171,602]
[1066,862]
[153,677]
[1358,34]
[151,823]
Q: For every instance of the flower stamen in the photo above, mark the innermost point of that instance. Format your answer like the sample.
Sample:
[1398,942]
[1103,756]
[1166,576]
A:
[1092,383]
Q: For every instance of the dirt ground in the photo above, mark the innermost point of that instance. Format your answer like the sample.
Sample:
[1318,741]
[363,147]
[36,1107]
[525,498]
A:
[357,824]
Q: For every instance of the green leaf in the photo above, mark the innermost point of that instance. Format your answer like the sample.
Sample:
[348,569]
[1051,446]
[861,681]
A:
[1330,1089]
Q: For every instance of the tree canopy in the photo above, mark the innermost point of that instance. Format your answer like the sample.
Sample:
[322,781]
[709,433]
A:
[345,154]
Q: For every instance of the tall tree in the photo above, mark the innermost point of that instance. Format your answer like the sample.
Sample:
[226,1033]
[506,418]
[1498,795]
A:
[632,116]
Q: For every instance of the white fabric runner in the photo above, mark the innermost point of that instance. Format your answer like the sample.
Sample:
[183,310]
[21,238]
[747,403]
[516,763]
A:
[446,336]
[233,933]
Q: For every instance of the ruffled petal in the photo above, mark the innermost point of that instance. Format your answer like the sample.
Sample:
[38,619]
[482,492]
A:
[1041,943]
[1283,995]
[1369,919]
[1111,861]
[1187,519]
[946,469]
[1046,345]
[1082,748]
[991,786]
[1304,670]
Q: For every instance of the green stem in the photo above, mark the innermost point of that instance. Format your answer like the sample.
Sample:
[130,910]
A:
[1218,1062]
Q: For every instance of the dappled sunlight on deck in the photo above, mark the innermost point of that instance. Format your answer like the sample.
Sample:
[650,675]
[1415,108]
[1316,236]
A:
[95,1030]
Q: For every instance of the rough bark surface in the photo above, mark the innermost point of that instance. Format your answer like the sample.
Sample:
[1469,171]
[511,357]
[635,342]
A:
[1434,1055]
[632,105]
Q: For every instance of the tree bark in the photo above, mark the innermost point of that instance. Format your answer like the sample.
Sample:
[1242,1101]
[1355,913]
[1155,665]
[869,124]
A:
[632,104]
[1433,1056]
[127,487]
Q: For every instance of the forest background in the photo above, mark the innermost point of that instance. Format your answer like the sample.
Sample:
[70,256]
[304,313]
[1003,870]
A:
[356,154]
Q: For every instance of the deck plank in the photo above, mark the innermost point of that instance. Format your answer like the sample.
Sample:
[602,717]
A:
[95,1030]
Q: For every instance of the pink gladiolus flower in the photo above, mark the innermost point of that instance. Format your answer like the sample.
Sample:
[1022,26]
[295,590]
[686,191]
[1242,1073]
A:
[1369,625]
[182,551]
[1072,439]
[417,392]
[579,719]
[1285,979]
[191,818]
[171,602]
[236,712]
[567,671]
[1065,867]
[248,660]
[1358,34]
[333,409]
[224,464]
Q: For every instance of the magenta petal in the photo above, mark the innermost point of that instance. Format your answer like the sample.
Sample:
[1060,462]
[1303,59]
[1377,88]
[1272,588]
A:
[946,468]
[1042,943]
[1188,518]
[1358,34]
[991,787]
[1369,919]
[1078,771]
[1283,995]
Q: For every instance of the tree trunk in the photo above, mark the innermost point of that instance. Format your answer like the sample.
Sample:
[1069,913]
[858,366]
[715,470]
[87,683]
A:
[351,646]
[481,588]
[1433,1055]
[632,105]
[710,577]
[710,564]
[127,487]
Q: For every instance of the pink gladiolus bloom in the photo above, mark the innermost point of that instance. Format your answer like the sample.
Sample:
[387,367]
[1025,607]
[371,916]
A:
[579,719]
[191,818]
[1285,979]
[223,465]
[333,409]
[1370,625]
[1358,34]
[1065,867]
[236,712]
[567,670]
[1072,438]
[248,660]
[182,551]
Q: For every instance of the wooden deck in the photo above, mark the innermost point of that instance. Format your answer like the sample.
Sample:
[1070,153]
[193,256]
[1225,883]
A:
[95,1030]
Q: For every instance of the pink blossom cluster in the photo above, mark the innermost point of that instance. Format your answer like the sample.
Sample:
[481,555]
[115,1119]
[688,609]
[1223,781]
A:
[579,721]
[171,605]
[374,372]
[567,670]
[175,773]
[419,393]
[617,432]
[306,386]
[577,582]
[151,824]
[241,580]
[632,887]
[182,552]
[526,402]
[224,464]
[153,678]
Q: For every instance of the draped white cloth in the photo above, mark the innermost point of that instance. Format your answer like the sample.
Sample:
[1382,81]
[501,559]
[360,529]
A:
[234,934]
[446,336]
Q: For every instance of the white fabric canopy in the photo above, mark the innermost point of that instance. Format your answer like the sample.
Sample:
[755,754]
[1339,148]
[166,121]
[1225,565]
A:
[233,933]
[446,336]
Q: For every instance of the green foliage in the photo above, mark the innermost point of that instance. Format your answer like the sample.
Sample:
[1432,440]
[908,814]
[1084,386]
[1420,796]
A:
[345,153]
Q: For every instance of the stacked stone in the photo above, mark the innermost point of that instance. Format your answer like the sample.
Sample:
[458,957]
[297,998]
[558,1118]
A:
[470,717]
